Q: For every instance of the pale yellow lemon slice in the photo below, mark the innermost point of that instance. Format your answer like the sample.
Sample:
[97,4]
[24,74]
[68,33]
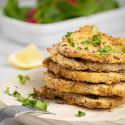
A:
[28,58]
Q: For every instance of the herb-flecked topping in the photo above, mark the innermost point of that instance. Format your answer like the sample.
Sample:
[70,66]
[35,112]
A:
[105,49]
[95,41]
[74,44]
[33,95]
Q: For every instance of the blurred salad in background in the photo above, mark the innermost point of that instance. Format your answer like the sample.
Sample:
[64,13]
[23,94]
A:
[49,11]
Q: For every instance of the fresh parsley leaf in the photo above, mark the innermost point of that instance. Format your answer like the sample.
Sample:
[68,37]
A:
[87,42]
[20,99]
[41,105]
[33,95]
[86,48]
[23,79]
[96,40]
[72,42]
[28,102]
[16,94]
[38,104]
[68,34]
[7,91]
[105,49]
[80,114]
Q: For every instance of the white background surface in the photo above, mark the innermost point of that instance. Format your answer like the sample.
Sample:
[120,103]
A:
[115,27]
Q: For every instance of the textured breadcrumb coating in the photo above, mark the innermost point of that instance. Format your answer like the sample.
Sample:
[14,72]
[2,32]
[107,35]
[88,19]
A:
[80,64]
[92,77]
[55,82]
[88,101]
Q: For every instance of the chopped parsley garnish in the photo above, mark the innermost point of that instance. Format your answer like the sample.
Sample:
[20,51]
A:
[68,34]
[86,48]
[33,95]
[105,49]
[87,42]
[16,94]
[38,104]
[96,40]
[95,29]
[23,79]
[73,43]
[80,114]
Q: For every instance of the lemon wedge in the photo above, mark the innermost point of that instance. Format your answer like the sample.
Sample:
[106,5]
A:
[28,58]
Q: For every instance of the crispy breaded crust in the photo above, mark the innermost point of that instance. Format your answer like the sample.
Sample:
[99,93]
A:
[57,83]
[75,64]
[92,77]
[81,100]
[117,43]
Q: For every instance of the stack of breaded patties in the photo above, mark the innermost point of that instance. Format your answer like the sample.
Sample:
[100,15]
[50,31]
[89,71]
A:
[86,69]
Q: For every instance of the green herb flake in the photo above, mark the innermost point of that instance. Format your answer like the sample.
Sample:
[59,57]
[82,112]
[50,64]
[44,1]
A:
[86,48]
[16,94]
[96,40]
[105,49]
[95,29]
[72,42]
[38,104]
[80,114]
[33,95]
[41,105]
[21,99]
[28,102]
[68,34]
[23,79]
[87,42]
[7,91]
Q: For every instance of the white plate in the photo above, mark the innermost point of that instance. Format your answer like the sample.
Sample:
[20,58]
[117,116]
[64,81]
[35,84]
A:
[65,114]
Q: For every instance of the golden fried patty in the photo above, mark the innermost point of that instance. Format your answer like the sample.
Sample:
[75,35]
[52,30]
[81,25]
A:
[80,64]
[88,101]
[91,46]
[55,82]
[92,77]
